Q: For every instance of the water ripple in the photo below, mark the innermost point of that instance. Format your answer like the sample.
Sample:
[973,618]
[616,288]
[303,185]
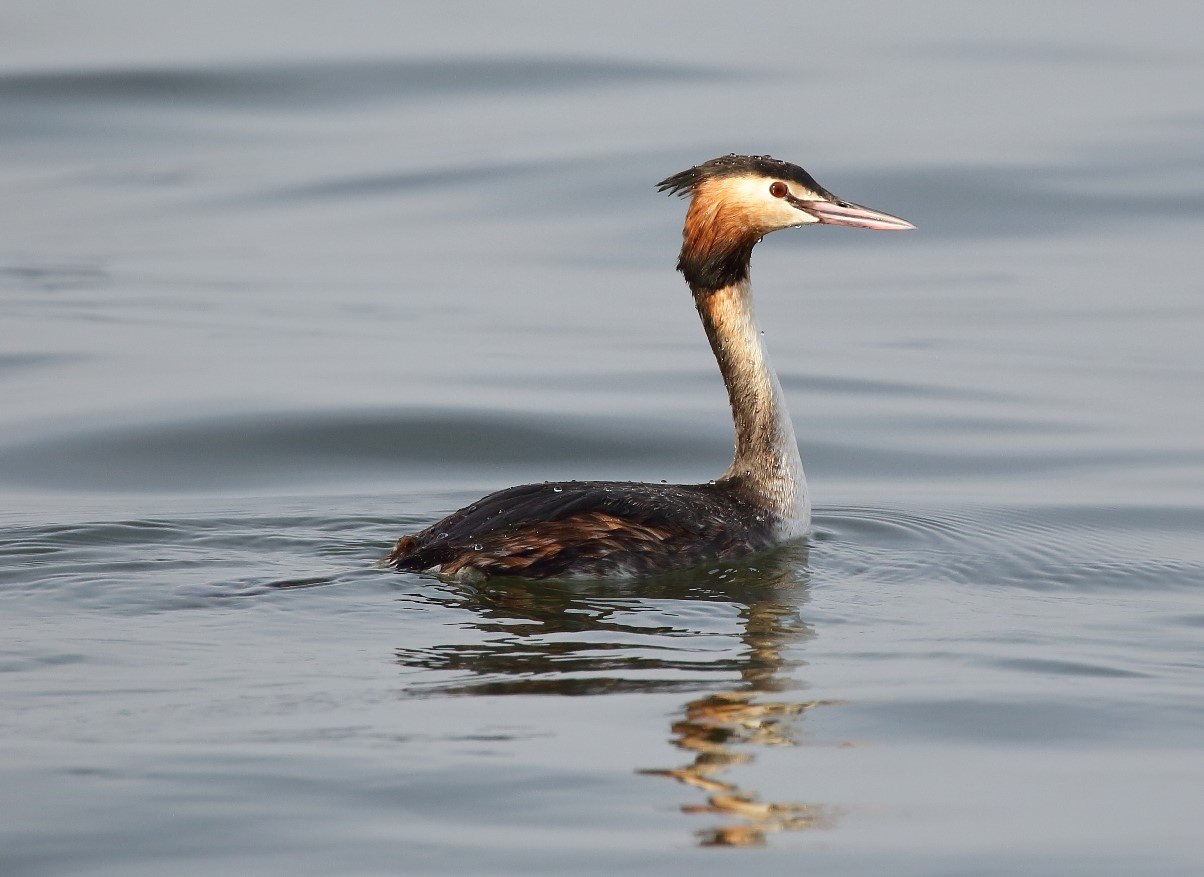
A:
[334,82]
[153,565]
[288,448]
[1071,548]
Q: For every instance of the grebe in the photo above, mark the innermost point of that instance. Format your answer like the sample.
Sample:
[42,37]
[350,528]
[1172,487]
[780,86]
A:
[620,528]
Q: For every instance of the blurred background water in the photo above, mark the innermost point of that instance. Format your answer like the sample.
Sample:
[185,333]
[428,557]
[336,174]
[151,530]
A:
[282,281]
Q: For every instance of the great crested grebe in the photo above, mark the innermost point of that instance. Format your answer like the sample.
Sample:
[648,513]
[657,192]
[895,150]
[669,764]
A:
[624,528]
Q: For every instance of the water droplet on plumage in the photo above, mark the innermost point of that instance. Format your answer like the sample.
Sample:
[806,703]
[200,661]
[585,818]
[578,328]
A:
[477,546]
[557,490]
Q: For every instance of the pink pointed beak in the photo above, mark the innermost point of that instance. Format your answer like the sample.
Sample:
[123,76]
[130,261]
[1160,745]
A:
[852,215]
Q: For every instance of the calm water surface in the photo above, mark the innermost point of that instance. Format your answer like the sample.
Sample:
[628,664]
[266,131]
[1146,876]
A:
[280,283]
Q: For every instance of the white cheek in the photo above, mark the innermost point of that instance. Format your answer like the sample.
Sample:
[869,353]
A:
[755,195]
[787,215]
[779,213]
[754,199]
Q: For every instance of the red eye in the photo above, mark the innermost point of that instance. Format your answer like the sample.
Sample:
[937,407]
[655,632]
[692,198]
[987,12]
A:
[778,189]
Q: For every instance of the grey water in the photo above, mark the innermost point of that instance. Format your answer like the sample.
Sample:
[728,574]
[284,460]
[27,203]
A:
[280,282]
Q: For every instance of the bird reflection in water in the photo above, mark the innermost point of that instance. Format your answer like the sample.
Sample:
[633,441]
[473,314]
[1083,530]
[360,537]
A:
[720,728]
[582,638]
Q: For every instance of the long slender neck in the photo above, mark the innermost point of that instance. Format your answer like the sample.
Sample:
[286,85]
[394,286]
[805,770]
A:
[766,466]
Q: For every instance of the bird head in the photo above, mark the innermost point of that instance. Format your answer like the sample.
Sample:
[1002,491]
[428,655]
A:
[736,200]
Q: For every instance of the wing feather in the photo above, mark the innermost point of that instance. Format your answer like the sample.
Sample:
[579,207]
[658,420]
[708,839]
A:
[585,528]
